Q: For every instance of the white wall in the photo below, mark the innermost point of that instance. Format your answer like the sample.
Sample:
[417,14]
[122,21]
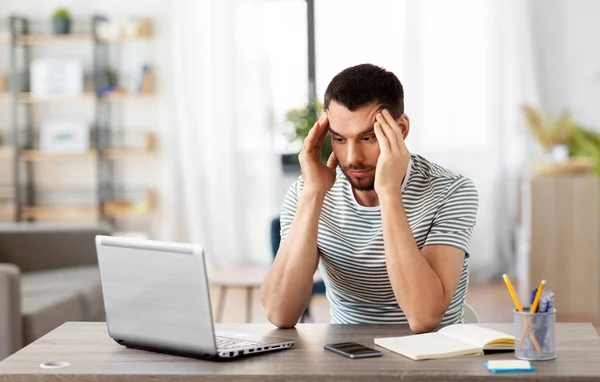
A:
[567,47]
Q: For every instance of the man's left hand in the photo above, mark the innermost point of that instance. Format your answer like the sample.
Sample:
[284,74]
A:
[394,157]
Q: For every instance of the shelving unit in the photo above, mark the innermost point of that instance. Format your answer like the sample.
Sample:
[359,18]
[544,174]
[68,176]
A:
[103,153]
[52,39]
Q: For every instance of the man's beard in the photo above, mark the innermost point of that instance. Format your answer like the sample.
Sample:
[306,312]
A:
[366,183]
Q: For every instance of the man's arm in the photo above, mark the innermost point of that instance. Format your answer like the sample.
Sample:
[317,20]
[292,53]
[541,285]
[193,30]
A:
[286,290]
[423,282]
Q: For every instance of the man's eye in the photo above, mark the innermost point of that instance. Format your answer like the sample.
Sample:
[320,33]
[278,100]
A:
[367,139]
[339,140]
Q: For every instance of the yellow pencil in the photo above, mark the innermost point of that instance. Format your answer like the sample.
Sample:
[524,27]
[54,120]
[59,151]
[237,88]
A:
[536,300]
[511,290]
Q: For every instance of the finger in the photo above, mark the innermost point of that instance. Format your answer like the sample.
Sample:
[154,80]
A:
[332,162]
[323,124]
[309,141]
[384,145]
[315,135]
[388,131]
[390,120]
[397,128]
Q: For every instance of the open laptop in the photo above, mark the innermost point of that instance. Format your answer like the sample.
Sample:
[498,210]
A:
[156,297]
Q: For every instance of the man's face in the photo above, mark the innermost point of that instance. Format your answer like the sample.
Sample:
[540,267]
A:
[354,143]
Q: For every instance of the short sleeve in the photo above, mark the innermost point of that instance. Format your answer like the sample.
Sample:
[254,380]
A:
[455,218]
[288,208]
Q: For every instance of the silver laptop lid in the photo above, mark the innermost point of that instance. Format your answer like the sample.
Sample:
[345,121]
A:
[156,294]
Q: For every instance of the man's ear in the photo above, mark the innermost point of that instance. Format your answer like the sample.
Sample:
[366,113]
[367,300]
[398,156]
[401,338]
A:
[404,124]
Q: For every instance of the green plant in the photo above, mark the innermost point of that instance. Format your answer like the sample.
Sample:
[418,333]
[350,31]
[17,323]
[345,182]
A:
[304,119]
[585,143]
[61,14]
[111,77]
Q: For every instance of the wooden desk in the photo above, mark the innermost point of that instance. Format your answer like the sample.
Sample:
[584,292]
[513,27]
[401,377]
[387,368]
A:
[95,357]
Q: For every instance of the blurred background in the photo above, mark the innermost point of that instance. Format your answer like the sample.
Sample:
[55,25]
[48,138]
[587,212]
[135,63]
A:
[182,120]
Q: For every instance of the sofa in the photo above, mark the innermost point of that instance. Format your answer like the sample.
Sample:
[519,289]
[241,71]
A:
[48,275]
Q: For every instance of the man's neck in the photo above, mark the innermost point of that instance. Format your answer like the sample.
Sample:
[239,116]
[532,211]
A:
[366,198]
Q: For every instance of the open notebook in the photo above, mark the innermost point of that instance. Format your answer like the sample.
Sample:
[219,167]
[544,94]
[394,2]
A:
[450,341]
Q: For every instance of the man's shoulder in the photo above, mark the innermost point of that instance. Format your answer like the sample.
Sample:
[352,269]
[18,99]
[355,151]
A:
[426,172]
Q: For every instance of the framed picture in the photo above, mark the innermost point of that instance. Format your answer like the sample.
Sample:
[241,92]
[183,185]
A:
[64,136]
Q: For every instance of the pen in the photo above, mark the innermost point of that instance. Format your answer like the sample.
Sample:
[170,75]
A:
[533,310]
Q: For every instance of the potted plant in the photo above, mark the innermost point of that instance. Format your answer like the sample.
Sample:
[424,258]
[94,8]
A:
[568,149]
[61,21]
[303,119]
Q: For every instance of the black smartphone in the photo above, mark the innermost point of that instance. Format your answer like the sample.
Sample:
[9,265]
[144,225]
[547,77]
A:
[353,350]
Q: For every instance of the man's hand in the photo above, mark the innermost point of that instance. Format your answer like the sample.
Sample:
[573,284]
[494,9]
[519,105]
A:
[318,177]
[394,157]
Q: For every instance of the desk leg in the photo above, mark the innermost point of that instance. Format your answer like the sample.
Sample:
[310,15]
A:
[221,307]
[249,292]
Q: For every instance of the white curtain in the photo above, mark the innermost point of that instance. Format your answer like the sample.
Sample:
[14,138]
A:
[469,68]
[220,168]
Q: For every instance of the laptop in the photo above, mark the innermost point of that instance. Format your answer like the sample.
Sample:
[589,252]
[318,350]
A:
[156,297]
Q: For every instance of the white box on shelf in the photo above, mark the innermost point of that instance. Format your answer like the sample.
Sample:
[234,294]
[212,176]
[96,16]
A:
[56,77]
[64,136]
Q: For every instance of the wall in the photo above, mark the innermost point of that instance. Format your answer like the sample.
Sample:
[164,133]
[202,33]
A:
[567,47]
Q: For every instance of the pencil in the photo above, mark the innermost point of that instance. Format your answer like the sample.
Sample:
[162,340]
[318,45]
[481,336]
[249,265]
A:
[512,292]
[536,300]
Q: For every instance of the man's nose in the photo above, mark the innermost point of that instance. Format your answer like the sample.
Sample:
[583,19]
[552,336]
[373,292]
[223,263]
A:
[354,154]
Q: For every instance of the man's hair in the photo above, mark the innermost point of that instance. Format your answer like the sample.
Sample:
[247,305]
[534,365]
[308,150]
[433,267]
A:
[364,84]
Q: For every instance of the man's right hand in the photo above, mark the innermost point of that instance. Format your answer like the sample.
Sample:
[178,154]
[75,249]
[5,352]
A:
[318,177]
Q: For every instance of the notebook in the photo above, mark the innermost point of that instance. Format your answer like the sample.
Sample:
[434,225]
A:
[450,341]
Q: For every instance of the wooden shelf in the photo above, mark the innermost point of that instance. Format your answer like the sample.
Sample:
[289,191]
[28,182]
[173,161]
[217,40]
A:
[120,96]
[82,212]
[7,213]
[37,155]
[46,212]
[115,208]
[126,153]
[6,152]
[51,39]
[30,99]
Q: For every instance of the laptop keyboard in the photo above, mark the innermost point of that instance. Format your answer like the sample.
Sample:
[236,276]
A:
[224,343]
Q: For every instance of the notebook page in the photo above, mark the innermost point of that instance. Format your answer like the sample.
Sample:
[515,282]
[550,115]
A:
[427,346]
[477,335]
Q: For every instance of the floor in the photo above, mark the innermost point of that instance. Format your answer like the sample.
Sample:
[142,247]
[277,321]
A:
[491,302]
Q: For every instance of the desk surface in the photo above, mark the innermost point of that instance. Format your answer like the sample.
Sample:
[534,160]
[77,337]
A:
[95,357]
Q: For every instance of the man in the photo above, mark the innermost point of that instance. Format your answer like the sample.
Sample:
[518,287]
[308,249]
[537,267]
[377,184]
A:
[389,231]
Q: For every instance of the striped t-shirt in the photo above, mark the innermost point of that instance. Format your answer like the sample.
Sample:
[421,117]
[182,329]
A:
[441,208]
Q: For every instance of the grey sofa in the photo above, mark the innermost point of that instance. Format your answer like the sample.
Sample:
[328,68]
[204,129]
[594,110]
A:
[48,275]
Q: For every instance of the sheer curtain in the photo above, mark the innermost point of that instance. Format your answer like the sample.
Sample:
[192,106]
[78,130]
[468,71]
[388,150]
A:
[220,167]
[469,69]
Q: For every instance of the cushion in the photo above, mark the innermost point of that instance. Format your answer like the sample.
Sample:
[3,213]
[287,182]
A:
[45,311]
[83,281]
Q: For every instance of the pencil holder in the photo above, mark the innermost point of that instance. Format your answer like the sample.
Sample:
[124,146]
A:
[535,335]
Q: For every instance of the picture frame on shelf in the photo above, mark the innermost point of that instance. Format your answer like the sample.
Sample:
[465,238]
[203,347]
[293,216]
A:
[64,136]
[56,77]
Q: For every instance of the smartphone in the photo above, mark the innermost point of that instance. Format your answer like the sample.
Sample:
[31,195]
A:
[353,350]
